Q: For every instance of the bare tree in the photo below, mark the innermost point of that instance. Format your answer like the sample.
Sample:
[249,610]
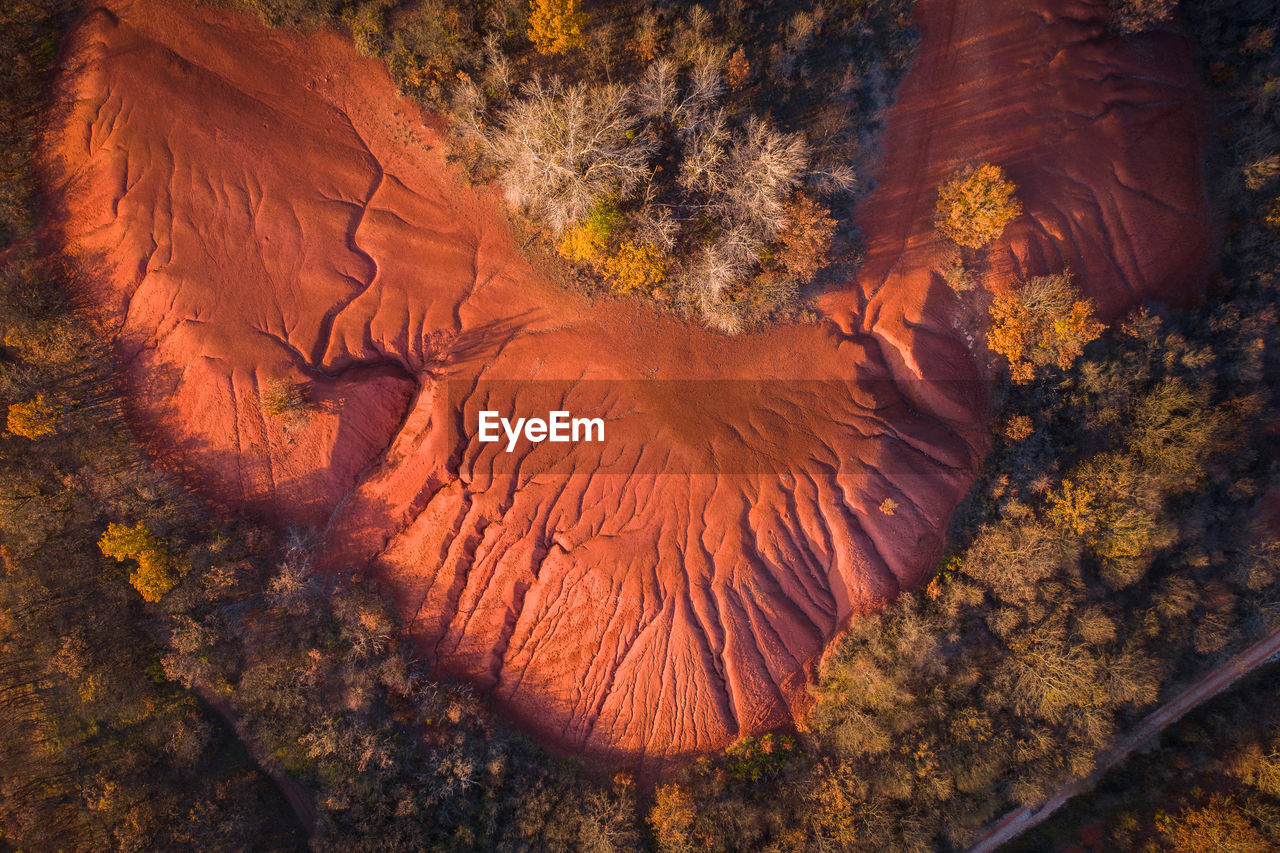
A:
[763,166]
[656,225]
[608,824]
[563,149]
[498,73]
[701,167]
[657,90]
[715,270]
[832,175]
[467,112]
[706,80]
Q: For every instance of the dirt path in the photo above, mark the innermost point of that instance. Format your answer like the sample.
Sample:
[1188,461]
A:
[298,798]
[1020,820]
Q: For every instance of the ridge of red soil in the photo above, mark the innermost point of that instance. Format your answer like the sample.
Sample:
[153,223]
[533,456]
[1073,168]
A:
[257,205]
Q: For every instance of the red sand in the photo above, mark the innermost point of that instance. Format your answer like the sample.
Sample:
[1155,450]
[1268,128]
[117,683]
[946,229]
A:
[260,205]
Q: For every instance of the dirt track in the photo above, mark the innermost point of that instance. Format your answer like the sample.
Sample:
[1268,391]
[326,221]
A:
[256,205]
[1020,820]
[294,794]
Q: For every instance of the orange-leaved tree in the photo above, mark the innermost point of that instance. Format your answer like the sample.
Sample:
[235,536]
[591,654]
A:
[806,237]
[35,418]
[158,569]
[673,820]
[556,25]
[1043,322]
[975,205]
[1218,826]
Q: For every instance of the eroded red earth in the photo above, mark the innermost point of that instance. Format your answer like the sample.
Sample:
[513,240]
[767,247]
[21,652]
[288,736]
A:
[256,205]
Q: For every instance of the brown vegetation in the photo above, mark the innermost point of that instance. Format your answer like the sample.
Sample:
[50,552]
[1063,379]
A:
[416,280]
[915,739]
[286,401]
[1043,322]
[1133,16]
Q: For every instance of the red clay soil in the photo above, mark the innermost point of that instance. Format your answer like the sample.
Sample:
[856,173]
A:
[257,205]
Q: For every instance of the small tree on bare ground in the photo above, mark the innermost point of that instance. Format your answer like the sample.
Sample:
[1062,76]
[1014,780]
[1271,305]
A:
[288,402]
[975,205]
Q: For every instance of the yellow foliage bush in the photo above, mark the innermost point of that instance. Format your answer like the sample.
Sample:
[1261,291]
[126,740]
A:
[286,401]
[588,238]
[975,206]
[1073,509]
[556,25]
[34,419]
[580,243]
[672,818]
[158,570]
[636,266]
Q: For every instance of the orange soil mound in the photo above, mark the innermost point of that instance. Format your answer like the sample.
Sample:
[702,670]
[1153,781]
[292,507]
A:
[261,205]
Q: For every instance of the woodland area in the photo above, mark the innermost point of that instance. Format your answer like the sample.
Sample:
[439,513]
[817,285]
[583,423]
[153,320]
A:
[1210,786]
[1106,557]
[705,157]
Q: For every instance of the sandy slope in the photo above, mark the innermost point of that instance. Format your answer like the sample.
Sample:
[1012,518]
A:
[258,205]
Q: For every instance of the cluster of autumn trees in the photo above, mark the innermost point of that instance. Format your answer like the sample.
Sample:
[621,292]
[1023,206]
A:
[1041,322]
[1107,557]
[704,157]
[1211,785]
[98,751]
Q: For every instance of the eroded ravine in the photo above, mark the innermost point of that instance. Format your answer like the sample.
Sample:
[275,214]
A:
[256,205]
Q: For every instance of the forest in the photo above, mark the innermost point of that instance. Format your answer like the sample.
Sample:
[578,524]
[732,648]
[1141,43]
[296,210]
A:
[175,680]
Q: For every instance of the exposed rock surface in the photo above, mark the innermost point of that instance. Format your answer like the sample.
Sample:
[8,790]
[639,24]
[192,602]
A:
[257,205]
